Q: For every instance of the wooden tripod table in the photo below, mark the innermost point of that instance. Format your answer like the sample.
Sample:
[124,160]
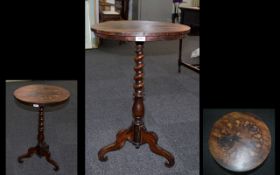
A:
[240,141]
[40,96]
[138,32]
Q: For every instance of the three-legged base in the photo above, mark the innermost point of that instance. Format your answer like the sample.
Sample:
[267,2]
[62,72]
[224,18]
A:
[137,133]
[42,150]
[145,137]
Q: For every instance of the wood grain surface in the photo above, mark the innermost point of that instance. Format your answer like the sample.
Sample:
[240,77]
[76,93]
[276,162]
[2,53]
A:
[240,141]
[129,30]
[41,94]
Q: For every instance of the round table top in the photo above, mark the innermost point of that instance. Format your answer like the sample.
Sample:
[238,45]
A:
[239,141]
[41,94]
[140,30]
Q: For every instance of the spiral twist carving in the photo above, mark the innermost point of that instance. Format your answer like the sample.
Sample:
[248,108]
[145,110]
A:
[139,73]
[41,125]
[138,105]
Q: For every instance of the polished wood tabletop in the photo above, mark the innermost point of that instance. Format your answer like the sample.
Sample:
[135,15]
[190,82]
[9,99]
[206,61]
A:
[140,30]
[41,94]
[240,141]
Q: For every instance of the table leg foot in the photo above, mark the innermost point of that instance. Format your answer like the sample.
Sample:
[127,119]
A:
[151,139]
[121,138]
[51,161]
[29,153]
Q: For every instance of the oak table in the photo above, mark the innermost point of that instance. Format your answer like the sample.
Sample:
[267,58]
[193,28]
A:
[40,96]
[138,32]
[240,141]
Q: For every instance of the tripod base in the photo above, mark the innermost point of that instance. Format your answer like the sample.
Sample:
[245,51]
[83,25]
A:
[42,150]
[145,137]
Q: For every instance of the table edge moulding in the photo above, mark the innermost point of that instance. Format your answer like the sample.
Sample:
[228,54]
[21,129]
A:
[106,30]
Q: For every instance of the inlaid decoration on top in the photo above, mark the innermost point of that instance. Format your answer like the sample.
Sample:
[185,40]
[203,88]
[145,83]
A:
[240,141]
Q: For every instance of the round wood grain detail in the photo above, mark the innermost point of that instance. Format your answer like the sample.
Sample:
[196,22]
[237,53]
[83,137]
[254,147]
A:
[41,94]
[239,141]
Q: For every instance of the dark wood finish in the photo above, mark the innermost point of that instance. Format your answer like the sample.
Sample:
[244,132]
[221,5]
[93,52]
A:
[41,95]
[42,148]
[240,141]
[137,133]
[128,31]
[190,17]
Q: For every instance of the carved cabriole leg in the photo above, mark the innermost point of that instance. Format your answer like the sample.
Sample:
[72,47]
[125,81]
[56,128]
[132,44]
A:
[121,138]
[47,155]
[29,153]
[42,148]
[151,139]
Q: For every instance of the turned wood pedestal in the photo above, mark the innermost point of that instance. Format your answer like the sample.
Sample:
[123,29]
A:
[40,96]
[138,32]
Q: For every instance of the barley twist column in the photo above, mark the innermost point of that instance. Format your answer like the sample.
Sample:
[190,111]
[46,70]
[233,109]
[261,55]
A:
[41,136]
[138,105]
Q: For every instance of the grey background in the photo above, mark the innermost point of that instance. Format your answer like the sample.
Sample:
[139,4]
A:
[156,10]
[60,133]
[210,116]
